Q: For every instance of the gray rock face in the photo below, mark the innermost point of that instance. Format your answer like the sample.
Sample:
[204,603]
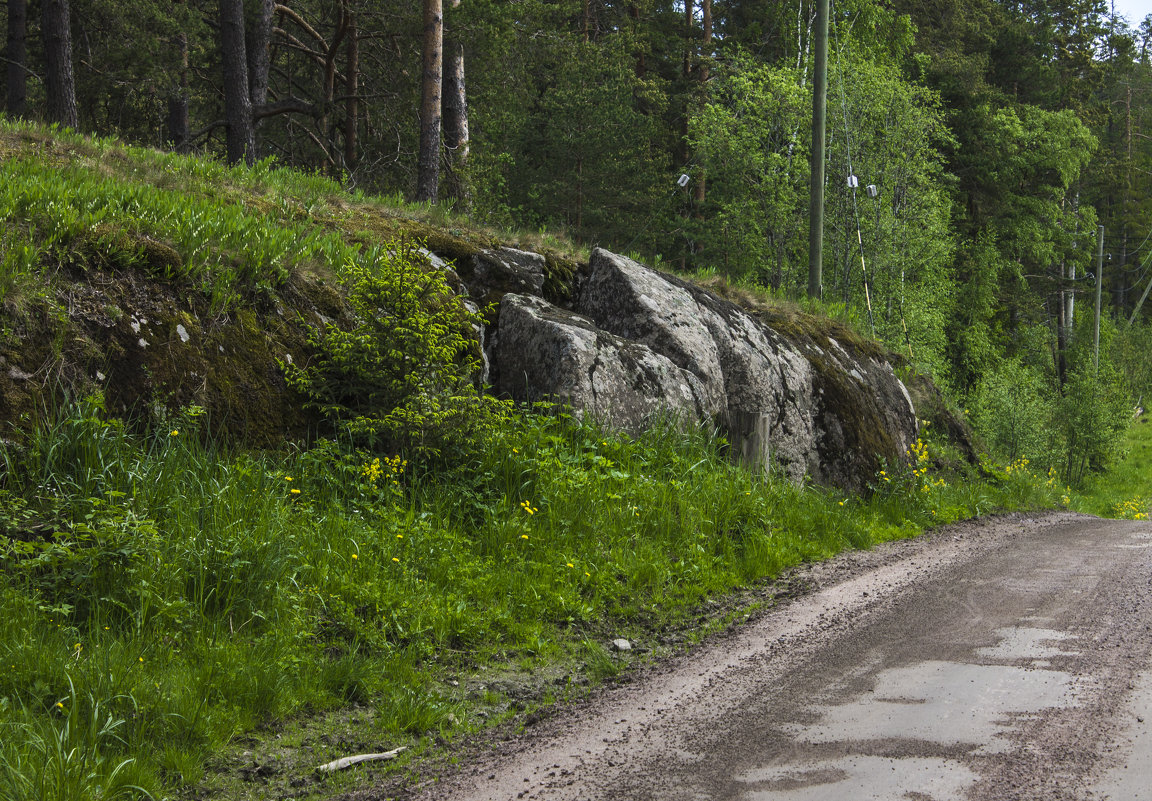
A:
[495,273]
[544,352]
[639,344]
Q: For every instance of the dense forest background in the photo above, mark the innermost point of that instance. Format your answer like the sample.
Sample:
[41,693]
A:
[989,139]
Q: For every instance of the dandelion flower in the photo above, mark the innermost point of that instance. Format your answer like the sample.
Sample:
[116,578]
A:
[295,491]
[59,704]
[141,659]
[174,433]
[571,565]
[394,559]
[399,536]
[287,478]
[523,536]
[355,556]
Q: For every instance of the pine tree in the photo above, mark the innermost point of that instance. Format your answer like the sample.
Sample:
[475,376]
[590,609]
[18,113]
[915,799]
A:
[16,54]
[59,80]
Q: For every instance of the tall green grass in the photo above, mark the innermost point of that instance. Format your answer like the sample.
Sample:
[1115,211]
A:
[179,593]
[1125,489]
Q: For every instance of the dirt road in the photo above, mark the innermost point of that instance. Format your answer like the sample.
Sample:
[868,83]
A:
[1007,659]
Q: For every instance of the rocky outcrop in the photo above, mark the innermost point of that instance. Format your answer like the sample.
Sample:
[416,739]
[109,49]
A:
[637,344]
[628,345]
[543,352]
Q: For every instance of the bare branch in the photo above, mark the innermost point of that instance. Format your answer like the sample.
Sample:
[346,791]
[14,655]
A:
[288,105]
[292,15]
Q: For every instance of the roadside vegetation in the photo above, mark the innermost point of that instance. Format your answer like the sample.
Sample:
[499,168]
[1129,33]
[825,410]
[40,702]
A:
[164,596]
[438,562]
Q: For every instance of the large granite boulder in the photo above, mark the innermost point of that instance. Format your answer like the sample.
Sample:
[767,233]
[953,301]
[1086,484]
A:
[492,274]
[544,352]
[639,344]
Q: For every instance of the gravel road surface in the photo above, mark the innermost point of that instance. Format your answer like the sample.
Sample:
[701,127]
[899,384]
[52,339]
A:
[1000,659]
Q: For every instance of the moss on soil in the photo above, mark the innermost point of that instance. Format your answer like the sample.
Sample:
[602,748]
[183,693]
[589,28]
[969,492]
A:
[146,343]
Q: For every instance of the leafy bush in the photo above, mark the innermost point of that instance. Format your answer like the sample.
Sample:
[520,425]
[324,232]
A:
[403,375]
[1130,349]
[1092,416]
[1011,409]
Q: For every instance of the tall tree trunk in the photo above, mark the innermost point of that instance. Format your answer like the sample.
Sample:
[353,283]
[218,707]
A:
[178,126]
[59,83]
[428,168]
[706,10]
[641,61]
[686,109]
[237,98]
[455,109]
[259,52]
[17,55]
[351,90]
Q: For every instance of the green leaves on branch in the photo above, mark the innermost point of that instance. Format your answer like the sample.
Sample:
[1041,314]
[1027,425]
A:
[403,373]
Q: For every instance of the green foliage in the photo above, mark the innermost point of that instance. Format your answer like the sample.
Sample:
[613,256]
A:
[753,139]
[1092,417]
[1012,409]
[750,136]
[78,215]
[403,374]
[65,753]
[1122,491]
[1130,353]
[173,594]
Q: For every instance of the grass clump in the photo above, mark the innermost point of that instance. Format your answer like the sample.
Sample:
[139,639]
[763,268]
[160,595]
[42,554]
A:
[187,594]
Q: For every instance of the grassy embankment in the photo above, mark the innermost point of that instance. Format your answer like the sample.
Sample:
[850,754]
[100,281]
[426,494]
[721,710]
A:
[164,596]
[1125,490]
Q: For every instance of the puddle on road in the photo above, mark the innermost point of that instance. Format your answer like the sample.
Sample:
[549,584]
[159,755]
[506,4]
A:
[861,778]
[1026,643]
[936,703]
[948,703]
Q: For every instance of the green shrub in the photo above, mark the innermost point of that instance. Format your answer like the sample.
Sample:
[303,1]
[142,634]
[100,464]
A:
[403,375]
[1091,416]
[1130,349]
[1011,409]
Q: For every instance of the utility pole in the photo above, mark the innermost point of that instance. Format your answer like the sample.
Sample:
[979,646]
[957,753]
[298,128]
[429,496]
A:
[1099,287]
[816,201]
